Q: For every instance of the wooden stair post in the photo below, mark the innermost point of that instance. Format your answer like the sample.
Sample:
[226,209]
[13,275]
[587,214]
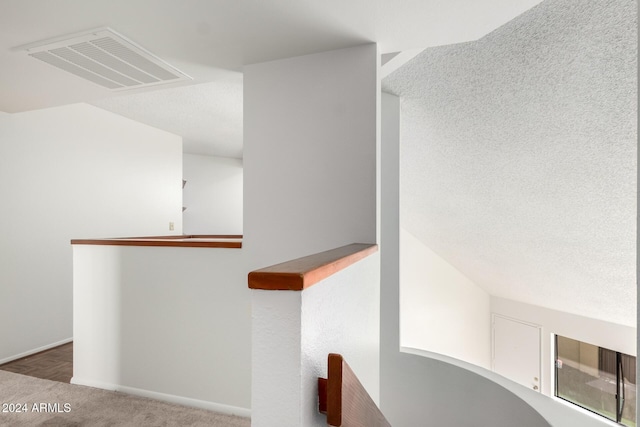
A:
[344,400]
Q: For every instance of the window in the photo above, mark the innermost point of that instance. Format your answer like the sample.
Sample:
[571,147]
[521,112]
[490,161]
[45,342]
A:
[598,379]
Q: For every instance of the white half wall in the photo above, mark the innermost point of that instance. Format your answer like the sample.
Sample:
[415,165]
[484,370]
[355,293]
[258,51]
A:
[593,331]
[441,310]
[341,315]
[276,359]
[166,322]
[294,332]
[310,140]
[73,172]
[212,195]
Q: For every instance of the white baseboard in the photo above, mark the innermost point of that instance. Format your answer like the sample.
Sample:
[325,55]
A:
[94,384]
[180,400]
[35,350]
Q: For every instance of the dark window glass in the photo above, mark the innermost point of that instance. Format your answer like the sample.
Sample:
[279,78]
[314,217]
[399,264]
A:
[598,379]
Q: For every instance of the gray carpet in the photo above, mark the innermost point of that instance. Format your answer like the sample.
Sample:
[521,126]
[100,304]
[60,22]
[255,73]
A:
[50,403]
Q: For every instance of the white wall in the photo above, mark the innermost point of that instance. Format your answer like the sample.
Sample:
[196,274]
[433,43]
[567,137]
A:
[167,323]
[389,254]
[73,172]
[212,195]
[341,315]
[310,145]
[276,359]
[310,154]
[441,310]
[604,334]
[294,332]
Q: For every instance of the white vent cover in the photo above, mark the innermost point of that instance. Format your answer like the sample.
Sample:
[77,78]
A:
[104,57]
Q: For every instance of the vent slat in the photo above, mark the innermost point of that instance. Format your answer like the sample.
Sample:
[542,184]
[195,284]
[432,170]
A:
[86,63]
[110,61]
[73,69]
[118,50]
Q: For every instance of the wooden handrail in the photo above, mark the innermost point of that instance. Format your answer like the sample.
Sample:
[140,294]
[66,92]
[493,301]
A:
[344,400]
[304,272]
[188,241]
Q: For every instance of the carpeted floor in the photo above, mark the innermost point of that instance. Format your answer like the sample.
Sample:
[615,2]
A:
[50,403]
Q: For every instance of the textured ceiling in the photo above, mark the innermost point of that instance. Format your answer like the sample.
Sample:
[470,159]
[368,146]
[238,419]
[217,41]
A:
[208,38]
[208,116]
[519,156]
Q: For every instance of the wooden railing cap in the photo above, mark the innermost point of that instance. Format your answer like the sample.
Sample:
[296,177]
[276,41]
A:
[187,241]
[301,273]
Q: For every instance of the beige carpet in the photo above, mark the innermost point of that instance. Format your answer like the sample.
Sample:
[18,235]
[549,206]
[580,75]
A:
[50,403]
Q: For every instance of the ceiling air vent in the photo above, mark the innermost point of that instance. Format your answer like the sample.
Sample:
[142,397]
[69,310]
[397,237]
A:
[104,57]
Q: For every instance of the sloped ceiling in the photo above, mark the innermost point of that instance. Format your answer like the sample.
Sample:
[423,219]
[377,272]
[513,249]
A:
[211,40]
[208,115]
[519,156]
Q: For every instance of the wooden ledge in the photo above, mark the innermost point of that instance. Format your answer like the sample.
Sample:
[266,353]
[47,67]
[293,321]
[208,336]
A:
[181,241]
[301,273]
